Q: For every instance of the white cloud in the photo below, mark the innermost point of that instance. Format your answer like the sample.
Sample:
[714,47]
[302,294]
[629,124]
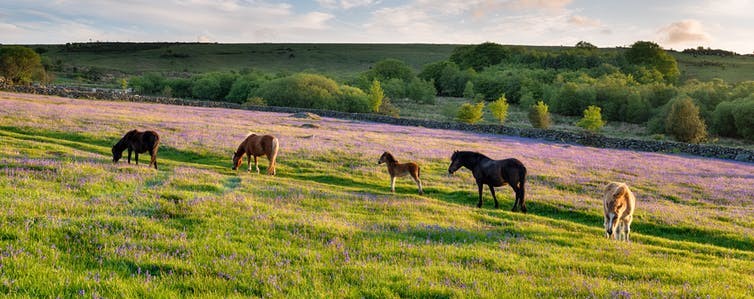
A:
[346,4]
[582,21]
[684,32]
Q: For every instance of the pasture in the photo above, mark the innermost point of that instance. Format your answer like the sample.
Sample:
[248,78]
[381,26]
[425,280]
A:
[73,223]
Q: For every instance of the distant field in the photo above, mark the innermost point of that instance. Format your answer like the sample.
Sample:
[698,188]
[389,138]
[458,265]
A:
[74,224]
[332,59]
[336,60]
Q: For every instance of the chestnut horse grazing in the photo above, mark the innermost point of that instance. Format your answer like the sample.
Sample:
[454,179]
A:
[254,146]
[139,142]
[619,211]
[400,169]
[493,173]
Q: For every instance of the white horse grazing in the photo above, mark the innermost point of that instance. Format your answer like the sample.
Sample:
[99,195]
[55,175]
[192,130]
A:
[619,211]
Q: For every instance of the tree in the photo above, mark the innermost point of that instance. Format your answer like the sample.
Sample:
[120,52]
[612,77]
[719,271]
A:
[585,45]
[391,68]
[499,109]
[539,117]
[744,118]
[684,123]
[375,96]
[592,120]
[20,65]
[650,54]
[471,113]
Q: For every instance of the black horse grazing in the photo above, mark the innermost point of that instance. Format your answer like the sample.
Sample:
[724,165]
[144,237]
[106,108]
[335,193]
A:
[493,173]
[139,142]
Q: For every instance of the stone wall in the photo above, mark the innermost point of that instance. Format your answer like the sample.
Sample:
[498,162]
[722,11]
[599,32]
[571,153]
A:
[705,150]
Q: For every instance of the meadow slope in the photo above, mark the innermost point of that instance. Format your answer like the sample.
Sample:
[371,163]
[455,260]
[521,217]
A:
[73,223]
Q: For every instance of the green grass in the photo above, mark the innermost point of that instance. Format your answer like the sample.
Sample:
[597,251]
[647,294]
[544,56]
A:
[73,223]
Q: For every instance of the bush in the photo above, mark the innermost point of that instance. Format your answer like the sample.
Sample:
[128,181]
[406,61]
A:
[684,123]
[181,88]
[499,109]
[539,117]
[212,86]
[573,98]
[391,69]
[244,87]
[744,118]
[421,91]
[152,84]
[394,88]
[470,113]
[313,91]
[723,122]
[375,96]
[592,120]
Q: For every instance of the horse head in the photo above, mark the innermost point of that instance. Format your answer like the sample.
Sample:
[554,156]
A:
[237,159]
[386,157]
[455,163]
[117,154]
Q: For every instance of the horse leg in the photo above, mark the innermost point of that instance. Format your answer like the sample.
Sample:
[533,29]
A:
[153,156]
[129,155]
[520,196]
[256,164]
[137,157]
[392,184]
[627,227]
[481,188]
[418,183]
[492,190]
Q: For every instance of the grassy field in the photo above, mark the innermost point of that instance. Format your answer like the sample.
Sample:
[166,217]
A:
[336,60]
[73,223]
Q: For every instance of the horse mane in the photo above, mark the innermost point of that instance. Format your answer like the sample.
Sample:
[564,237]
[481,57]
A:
[469,155]
[123,142]
[390,157]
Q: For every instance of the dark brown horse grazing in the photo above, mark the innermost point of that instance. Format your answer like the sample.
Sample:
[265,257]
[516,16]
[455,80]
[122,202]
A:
[138,142]
[493,173]
[396,169]
[254,146]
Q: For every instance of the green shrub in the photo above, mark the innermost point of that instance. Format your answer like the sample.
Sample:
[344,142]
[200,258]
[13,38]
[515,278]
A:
[744,118]
[470,113]
[180,87]
[592,120]
[313,91]
[573,98]
[499,109]
[539,117]
[375,96]
[21,65]
[684,123]
[421,91]
[391,68]
[394,88]
[213,86]
[244,87]
[723,122]
[150,83]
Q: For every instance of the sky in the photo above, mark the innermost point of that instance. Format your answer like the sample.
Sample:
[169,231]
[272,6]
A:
[720,24]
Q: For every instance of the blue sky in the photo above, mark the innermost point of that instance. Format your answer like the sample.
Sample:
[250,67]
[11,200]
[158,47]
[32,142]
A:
[722,24]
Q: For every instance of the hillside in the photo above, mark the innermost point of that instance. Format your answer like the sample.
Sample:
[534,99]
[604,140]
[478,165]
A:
[333,59]
[73,223]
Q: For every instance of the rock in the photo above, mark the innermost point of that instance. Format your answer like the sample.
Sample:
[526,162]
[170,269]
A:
[743,157]
[310,126]
[306,115]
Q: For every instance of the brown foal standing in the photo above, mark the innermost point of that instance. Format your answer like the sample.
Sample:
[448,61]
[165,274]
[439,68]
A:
[400,169]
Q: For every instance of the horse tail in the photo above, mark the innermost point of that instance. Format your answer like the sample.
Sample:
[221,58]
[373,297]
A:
[273,155]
